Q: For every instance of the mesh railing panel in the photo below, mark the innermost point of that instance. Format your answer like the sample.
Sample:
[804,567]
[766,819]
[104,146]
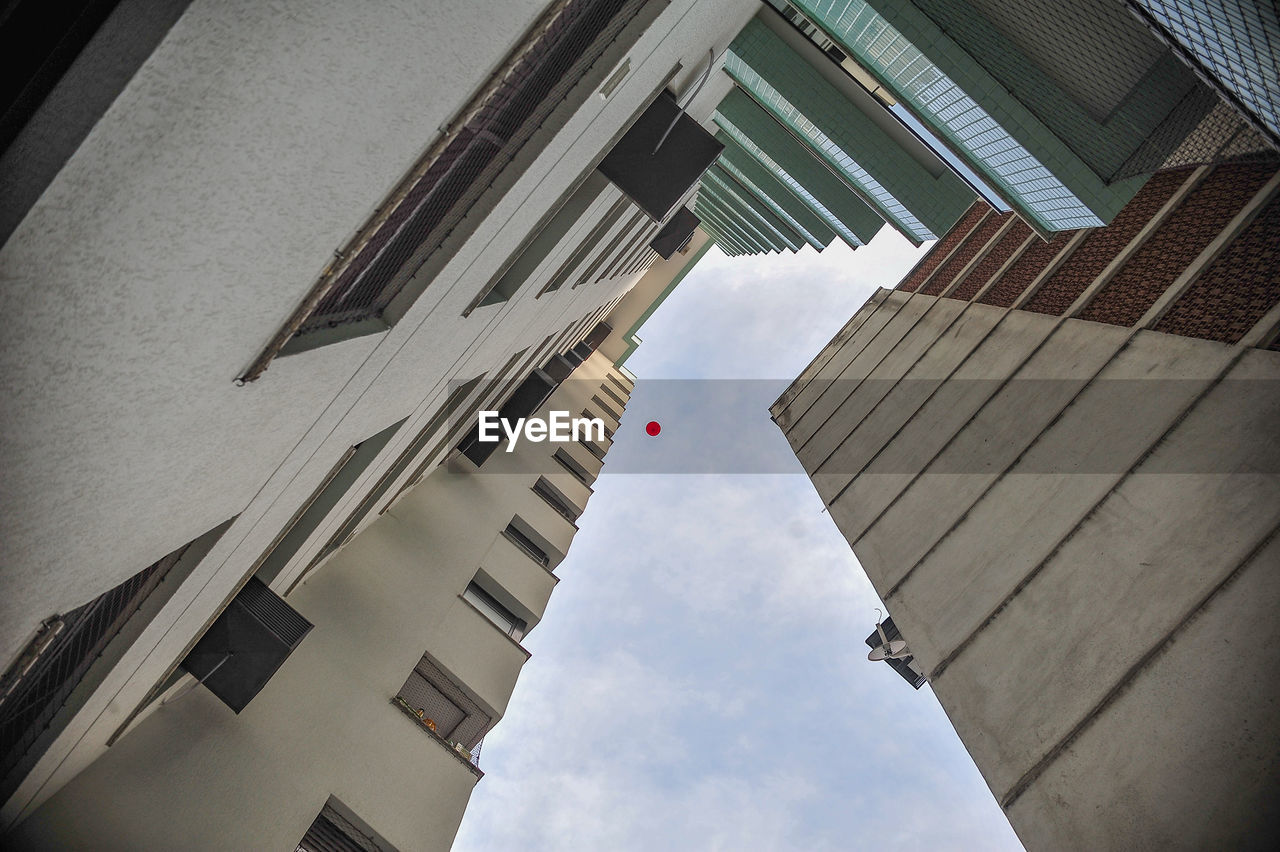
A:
[33,699]
[486,144]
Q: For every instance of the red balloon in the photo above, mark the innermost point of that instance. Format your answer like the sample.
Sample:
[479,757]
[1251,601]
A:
[653,427]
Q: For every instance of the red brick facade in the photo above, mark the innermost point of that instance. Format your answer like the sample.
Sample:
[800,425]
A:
[1100,247]
[974,243]
[996,258]
[1227,300]
[943,247]
[1176,243]
[1237,289]
[1025,269]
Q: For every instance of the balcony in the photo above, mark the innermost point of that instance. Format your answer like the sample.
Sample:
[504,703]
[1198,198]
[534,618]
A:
[468,757]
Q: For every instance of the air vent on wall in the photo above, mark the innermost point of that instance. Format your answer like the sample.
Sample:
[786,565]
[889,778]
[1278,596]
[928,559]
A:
[655,172]
[240,652]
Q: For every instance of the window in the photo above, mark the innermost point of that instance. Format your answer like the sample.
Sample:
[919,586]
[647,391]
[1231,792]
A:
[455,423]
[489,607]
[556,500]
[615,250]
[340,479]
[531,256]
[589,242]
[335,486]
[521,539]
[46,685]
[619,384]
[586,412]
[592,448]
[567,462]
[524,401]
[603,254]
[606,409]
[396,255]
[612,394]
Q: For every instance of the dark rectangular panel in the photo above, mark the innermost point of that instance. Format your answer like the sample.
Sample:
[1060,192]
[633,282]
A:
[675,233]
[656,181]
[240,651]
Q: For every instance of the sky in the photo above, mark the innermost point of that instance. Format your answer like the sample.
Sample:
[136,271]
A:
[699,680]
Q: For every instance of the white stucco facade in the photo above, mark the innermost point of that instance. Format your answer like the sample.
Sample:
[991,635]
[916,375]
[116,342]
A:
[194,775]
[176,240]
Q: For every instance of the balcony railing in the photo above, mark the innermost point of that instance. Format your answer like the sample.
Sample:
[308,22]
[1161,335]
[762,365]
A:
[434,202]
[469,756]
[39,684]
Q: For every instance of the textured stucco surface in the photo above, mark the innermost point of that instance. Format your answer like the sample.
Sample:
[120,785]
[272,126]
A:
[194,775]
[250,145]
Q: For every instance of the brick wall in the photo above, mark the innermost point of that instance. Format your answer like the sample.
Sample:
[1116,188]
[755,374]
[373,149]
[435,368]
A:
[996,258]
[1237,289]
[1186,233]
[969,249]
[943,246]
[1100,247]
[1025,269]
[1228,299]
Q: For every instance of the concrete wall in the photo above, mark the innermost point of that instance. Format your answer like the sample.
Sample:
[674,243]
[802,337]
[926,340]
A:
[194,775]
[178,238]
[193,219]
[1074,526]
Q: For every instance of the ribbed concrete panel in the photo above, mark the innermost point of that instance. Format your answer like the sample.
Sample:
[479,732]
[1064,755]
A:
[1081,558]
[920,204]
[736,158]
[762,207]
[748,123]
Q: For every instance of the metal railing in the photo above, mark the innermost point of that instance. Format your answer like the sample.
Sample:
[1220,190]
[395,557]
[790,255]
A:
[536,79]
[37,687]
